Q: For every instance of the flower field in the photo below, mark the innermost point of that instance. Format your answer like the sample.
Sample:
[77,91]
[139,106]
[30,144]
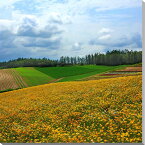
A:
[100,111]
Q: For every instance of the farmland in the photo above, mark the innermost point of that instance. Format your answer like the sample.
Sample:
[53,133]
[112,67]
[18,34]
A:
[73,73]
[31,76]
[107,110]
[10,79]
[127,71]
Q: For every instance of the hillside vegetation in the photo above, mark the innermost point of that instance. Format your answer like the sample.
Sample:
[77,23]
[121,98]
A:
[107,110]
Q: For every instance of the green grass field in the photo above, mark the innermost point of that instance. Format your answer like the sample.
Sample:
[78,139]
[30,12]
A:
[60,72]
[73,73]
[33,77]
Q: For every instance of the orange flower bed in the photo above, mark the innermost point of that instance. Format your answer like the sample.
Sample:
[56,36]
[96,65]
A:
[100,111]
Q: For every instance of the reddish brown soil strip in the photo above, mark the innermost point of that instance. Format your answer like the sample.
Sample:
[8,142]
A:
[110,74]
[131,69]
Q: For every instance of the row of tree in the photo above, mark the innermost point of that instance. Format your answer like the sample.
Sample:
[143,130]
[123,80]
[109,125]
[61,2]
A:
[115,57]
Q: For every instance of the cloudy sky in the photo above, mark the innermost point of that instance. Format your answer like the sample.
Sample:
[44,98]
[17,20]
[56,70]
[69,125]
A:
[54,28]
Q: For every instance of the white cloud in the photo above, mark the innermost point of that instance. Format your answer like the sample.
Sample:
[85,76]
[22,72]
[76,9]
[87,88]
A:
[132,41]
[28,35]
[75,7]
[104,37]
[76,44]
[105,30]
[4,3]
[53,27]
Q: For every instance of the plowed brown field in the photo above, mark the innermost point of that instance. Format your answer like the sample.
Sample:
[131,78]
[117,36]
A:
[10,79]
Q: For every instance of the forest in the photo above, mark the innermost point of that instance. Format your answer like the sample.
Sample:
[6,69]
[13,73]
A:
[110,58]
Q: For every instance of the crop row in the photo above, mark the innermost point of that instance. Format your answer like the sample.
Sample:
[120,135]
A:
[10,79]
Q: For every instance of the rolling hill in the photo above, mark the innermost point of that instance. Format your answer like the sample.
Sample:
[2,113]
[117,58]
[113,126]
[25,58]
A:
[100,111]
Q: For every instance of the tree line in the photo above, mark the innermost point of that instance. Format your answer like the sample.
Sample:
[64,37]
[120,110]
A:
[110,58]
[114,57]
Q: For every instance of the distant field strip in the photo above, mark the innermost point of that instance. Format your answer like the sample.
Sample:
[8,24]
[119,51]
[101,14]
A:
[131,69]
[127,71]
[108,76]
[10,79]
[33,77]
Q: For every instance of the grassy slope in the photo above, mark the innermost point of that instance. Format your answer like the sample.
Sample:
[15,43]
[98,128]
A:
[90,111]
[33,77]
[97,70]
[59,72]
[72,73]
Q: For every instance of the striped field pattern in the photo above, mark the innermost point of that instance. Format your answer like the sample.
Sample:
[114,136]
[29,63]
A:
[10,79]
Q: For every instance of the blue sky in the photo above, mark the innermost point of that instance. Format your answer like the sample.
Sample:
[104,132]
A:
[55,28]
